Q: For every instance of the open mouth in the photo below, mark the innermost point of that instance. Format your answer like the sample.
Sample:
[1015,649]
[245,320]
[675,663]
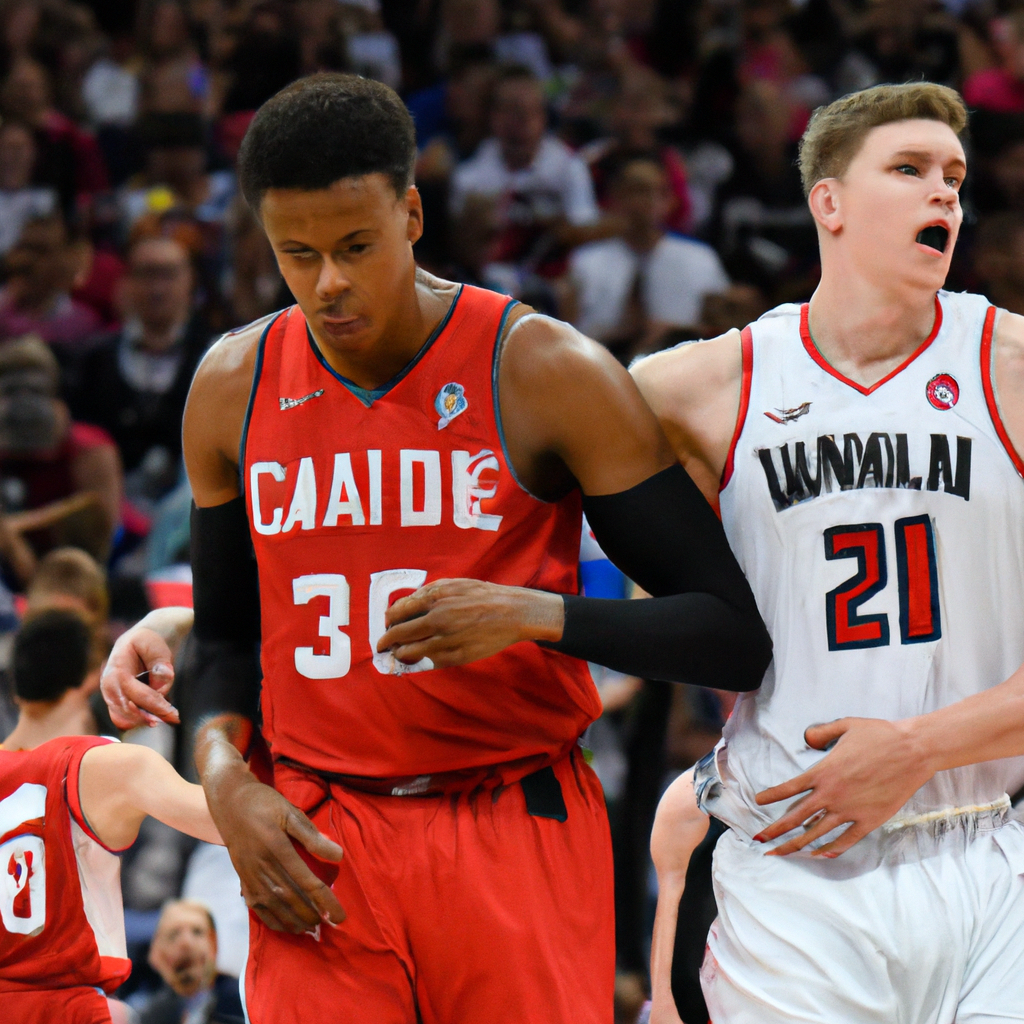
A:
[934,236]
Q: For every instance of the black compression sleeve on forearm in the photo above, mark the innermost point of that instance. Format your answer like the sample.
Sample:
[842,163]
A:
[702,624]
[225,596]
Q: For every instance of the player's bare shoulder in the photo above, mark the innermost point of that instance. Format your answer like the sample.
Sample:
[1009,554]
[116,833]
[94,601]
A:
[694,390]
[565,397]
[1008,369]
[215,411]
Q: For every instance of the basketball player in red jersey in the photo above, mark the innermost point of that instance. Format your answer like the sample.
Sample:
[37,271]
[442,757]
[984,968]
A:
[67,808]
[393,431]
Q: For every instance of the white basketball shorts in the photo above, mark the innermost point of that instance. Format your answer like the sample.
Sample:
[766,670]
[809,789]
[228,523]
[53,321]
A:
[934,940]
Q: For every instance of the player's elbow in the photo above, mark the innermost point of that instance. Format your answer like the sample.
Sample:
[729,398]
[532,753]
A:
[750,656]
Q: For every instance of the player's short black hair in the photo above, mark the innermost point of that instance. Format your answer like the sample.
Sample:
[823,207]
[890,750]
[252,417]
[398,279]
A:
[323,128]
[51,655]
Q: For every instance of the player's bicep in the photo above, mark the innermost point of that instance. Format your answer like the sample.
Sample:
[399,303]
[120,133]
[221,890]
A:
[152,786]
[106,780]
[564,395]
[167,797]
[694,390]
[214,418]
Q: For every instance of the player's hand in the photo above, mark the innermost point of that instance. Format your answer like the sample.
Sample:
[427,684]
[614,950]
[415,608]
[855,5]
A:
[871,772]
[258,826]
[132,701]
[452,622]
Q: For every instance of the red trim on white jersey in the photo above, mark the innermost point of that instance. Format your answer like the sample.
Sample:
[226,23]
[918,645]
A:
[812,351]
[747,348]
[990,391]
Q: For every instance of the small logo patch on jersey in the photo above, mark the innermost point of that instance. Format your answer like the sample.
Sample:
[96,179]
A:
[788,415]
[291,403]
[450,402]
[943,391]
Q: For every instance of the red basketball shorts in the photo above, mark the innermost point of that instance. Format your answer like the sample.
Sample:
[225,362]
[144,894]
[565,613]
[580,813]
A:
[462,909]
[80,1005]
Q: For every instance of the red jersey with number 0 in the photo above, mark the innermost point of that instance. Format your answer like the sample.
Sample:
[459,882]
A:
[355,500]
[61,918]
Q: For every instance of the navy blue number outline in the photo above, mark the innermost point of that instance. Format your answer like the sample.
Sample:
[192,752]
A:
[853,619]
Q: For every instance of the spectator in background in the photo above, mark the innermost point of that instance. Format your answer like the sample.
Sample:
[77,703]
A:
[36,299]
[20,200]
[999,259]
[176,173]
[134,383]
[184,954]
[638,112]
[173,78]
[1000,183]
[907,40]
[762,227]
[1000,89]
[626,292]
[65,477]
[451,122]
[545,197]
[731,309]
[71,580]
[451,118]
[69,159]
[265,58]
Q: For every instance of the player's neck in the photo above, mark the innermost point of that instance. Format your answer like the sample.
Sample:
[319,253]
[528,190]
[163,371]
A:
[42,721]
[406,333]
[865,330]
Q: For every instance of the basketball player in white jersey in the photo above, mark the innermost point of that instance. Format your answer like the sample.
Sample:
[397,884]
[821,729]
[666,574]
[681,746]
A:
[865,449]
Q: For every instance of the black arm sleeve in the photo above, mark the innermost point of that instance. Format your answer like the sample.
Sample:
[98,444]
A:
[702,624]
[225,595]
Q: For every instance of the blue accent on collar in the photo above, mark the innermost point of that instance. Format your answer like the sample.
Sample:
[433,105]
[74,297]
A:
[370,395]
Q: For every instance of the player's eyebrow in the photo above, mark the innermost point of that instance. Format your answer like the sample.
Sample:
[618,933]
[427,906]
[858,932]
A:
[925,156]
[345,238]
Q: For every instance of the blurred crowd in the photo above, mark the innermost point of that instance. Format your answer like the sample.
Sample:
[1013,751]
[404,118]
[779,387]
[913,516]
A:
[626,165]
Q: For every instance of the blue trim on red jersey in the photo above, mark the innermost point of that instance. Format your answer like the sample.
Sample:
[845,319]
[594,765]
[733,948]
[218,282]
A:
[256,374]
[495,364]
[370,395]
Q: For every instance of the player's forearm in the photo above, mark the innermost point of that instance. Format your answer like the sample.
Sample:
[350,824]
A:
[173,624]
[983,727]
[682,638]
[222,744]
[702,625]
[166,796]
[670,891]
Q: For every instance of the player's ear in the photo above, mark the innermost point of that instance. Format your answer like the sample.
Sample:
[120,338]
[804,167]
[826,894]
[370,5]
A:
[824,201]
[414,206]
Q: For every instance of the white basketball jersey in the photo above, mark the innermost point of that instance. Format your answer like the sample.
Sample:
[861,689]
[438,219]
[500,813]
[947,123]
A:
[882,531]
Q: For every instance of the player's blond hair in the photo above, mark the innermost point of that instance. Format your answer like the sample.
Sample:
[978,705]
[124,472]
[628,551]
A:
[836,132]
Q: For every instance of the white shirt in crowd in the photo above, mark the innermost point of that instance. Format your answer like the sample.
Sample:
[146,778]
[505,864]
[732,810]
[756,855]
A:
[676,275]
[17,207]
[556,184]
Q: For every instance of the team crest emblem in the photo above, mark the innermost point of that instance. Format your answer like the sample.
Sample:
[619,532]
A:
[788,415]
[943,391]
[450,402]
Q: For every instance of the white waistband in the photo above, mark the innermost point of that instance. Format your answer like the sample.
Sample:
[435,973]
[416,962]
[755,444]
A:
[949,815]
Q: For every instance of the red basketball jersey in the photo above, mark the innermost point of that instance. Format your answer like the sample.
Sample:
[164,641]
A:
[354,501]
[61,918]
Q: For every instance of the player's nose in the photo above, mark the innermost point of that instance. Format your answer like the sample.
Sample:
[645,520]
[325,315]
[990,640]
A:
[332,282]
